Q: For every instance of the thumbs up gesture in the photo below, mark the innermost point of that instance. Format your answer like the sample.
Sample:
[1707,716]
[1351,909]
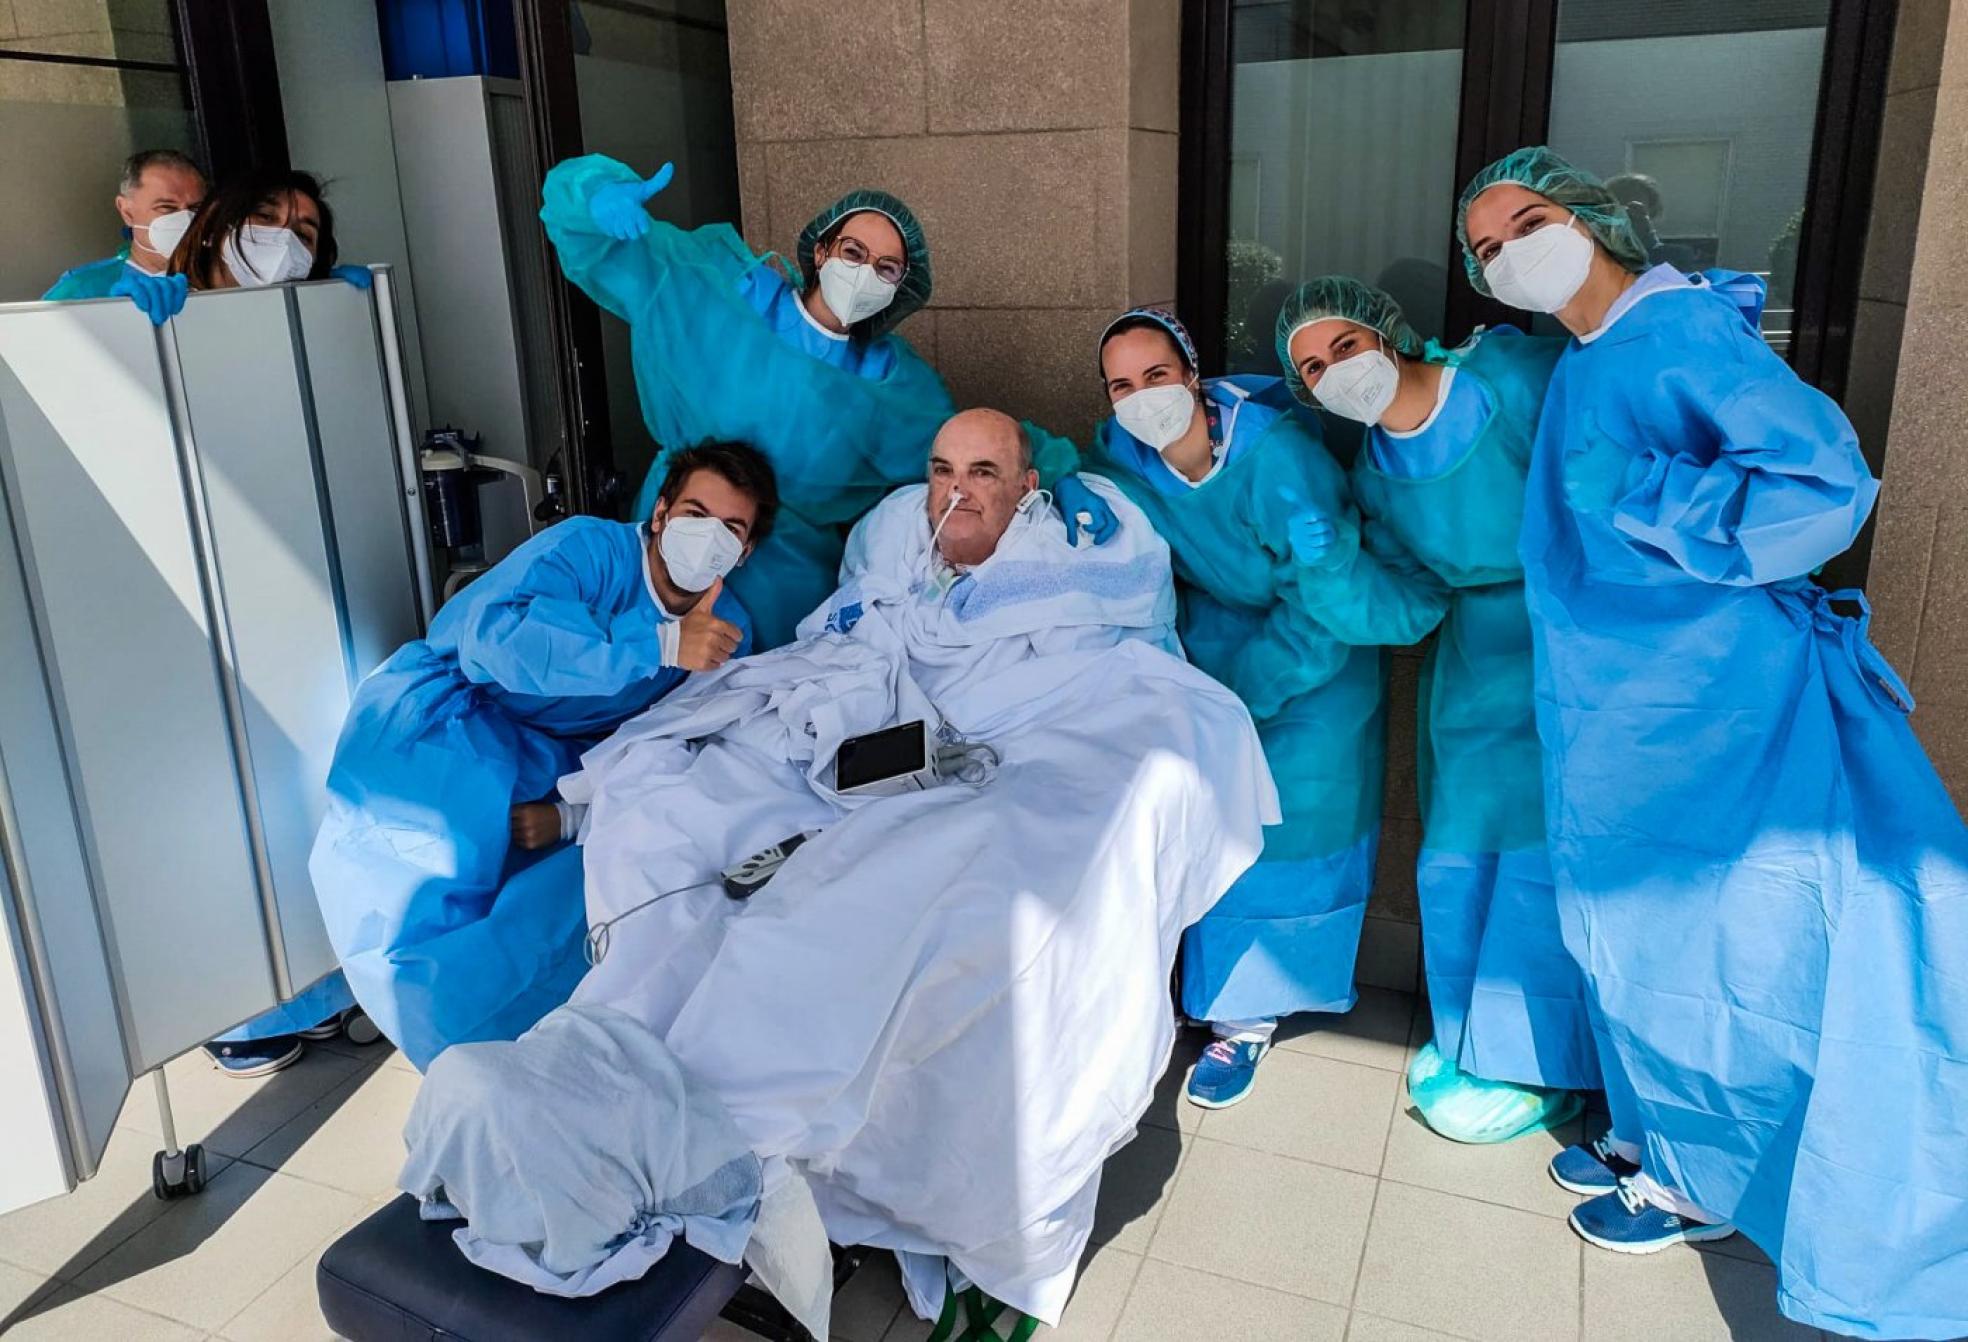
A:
[617,208]
[706,642]
[1309,530]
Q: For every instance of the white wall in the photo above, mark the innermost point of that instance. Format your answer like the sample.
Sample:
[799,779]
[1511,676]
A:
[338,126]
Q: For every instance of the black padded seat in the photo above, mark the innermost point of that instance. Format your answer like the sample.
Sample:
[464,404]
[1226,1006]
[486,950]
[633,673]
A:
[399,1278]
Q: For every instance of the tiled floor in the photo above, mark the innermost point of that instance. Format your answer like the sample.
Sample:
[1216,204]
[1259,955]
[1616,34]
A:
[1319,1209]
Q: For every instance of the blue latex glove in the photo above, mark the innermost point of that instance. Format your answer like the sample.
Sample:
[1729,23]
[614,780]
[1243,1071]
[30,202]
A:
[358,276]
[1310,531]
[1074,498]
[617,208]
[161,297]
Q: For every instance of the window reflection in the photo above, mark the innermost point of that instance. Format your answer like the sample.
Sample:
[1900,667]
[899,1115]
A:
[1343,144]
[1702,119]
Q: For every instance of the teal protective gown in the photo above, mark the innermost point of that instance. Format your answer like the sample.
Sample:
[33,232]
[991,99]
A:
[1299,645]
[1508,999]
[710,365]
[91,281]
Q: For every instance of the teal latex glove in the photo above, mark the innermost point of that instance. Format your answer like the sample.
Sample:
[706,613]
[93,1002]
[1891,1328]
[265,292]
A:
[358,276]
[1073,497]
[161,297]
[1310,531]
[617,209]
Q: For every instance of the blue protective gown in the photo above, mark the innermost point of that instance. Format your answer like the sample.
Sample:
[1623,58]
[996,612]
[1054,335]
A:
[1507,997]
[91,281]
[1757,868]
[446,933]
[721,352]
[1295,643]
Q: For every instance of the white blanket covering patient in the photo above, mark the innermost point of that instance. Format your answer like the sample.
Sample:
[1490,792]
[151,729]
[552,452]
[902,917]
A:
[950,1007]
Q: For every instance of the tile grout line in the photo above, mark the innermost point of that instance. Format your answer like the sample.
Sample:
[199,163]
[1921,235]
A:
[1373,1206]
[1581,1289]
[1168,1194]
[351,1082]
[73,1279]
[1127,1296]
[220,1331]
[1302,1160]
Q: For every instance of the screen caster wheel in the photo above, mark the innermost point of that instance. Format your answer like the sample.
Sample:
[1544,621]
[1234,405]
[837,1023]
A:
[180,1174]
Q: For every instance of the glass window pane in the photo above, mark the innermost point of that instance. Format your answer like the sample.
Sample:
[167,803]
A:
[654,81]
[120,30]
[1702,118]
[1343,136]
[64,133]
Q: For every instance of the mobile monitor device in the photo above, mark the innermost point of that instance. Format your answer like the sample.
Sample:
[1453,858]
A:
[883,763]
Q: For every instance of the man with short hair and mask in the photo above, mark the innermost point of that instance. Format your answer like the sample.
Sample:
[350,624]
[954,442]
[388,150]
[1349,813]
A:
[1281,603]
[160,191]
[581,628]
[801,360]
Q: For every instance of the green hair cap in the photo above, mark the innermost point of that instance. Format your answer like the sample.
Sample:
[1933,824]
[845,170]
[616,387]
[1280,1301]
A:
[1341,298]
[914,290]
[1539,170]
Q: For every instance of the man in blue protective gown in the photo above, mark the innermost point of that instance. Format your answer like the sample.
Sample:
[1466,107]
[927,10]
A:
[1448,440]
[1281,604]
[727,346]
[160,192]
[447,930]
[1759,872]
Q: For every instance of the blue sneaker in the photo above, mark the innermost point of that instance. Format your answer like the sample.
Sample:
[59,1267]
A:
[1224,1073]
[1591,1169]
[256,1057]
[1625,1222]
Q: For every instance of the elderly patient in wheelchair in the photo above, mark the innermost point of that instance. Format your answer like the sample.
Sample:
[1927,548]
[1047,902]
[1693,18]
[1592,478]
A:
[881,924]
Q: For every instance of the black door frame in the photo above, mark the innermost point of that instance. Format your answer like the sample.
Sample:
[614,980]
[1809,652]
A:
[545,34]
[1506,100]
[229,61]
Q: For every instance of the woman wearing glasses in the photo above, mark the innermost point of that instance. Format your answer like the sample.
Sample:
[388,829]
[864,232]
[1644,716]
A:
[729,346]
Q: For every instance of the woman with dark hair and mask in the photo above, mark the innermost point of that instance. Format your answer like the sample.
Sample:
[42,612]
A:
[260,227]
[1282,603]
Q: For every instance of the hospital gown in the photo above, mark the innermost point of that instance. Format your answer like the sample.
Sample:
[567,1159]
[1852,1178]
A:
[1295,643]
[722,350]
[447,933]
[1507,997]
[1763,878]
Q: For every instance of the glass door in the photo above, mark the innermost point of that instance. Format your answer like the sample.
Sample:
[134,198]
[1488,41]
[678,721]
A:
[1342,156]
[654,82]
[1702,119]
[1333,136]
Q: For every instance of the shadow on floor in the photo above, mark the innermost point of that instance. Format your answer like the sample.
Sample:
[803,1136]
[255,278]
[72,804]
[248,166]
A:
[269,1098]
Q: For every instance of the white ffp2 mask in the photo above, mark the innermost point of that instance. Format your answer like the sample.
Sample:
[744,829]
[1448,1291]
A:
[263,254]
[163,234]
[697,551]
[853,293]
[1543,271]
[1157,416]
[1359,388]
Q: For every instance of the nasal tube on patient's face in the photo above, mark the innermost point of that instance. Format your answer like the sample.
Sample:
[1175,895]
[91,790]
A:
[956,497]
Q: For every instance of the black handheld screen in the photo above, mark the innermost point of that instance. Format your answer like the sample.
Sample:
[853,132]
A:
[894,752]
